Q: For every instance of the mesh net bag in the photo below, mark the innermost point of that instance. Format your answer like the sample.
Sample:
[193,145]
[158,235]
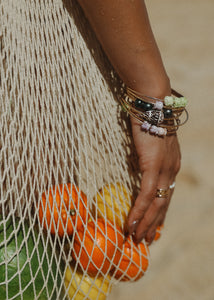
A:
[68,170]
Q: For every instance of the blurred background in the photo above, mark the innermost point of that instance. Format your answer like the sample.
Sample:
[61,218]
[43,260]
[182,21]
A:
[182,261]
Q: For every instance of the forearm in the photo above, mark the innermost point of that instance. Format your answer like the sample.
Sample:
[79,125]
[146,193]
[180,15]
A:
[124,31]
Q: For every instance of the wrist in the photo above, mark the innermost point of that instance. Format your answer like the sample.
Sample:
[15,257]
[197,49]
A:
[147,75]
[153,82]
[155,87]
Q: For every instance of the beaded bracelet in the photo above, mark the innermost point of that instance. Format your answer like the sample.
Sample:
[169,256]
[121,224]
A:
[158,116]
[171,107]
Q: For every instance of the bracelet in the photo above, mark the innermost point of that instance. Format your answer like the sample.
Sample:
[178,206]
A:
[158,116]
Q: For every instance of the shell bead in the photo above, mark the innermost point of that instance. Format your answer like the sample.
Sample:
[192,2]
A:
[154,129]
[162,131]
[145,126]
[158,105]
[155,117]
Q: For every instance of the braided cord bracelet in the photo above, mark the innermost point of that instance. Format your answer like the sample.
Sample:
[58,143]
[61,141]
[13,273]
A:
[158,116]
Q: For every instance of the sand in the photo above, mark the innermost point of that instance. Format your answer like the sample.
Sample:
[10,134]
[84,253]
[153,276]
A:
[182,261]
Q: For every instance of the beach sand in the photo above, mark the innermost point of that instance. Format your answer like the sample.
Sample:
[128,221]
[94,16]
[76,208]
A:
[182,261]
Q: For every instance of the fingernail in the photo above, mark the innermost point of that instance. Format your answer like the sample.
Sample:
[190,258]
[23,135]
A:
[138,240]
[126,229]
[152,236]
[133,227]
[126,235]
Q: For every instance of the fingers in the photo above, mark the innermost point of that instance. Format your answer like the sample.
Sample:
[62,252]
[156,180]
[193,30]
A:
[150,234]
[159,221]
[147,226]
[143,201]
[147,215]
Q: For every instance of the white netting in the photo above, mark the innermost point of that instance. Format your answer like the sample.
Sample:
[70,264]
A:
[68,170]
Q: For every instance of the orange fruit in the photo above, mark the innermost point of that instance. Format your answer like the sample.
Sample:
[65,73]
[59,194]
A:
[133,263]
[113,202]
[158,232]
[98,246]
[63,208]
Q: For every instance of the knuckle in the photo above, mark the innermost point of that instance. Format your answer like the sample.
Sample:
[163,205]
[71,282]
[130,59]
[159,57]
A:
[147,223]
[168,169]
[160,203]
[177,167]
[149,194]
[172,167]
[146,227]
[150,164]
[161,218]
[137,213]
[139,210]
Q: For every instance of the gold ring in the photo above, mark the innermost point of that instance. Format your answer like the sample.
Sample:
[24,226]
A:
[162,193]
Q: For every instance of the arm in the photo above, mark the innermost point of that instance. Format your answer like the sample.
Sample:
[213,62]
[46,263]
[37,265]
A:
[125,33]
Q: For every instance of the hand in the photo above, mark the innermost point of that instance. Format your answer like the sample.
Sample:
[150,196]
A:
[159,160]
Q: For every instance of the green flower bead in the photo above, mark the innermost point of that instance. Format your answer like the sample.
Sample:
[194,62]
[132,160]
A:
[169,101]
[183,101]
[180,102]
[177,102]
